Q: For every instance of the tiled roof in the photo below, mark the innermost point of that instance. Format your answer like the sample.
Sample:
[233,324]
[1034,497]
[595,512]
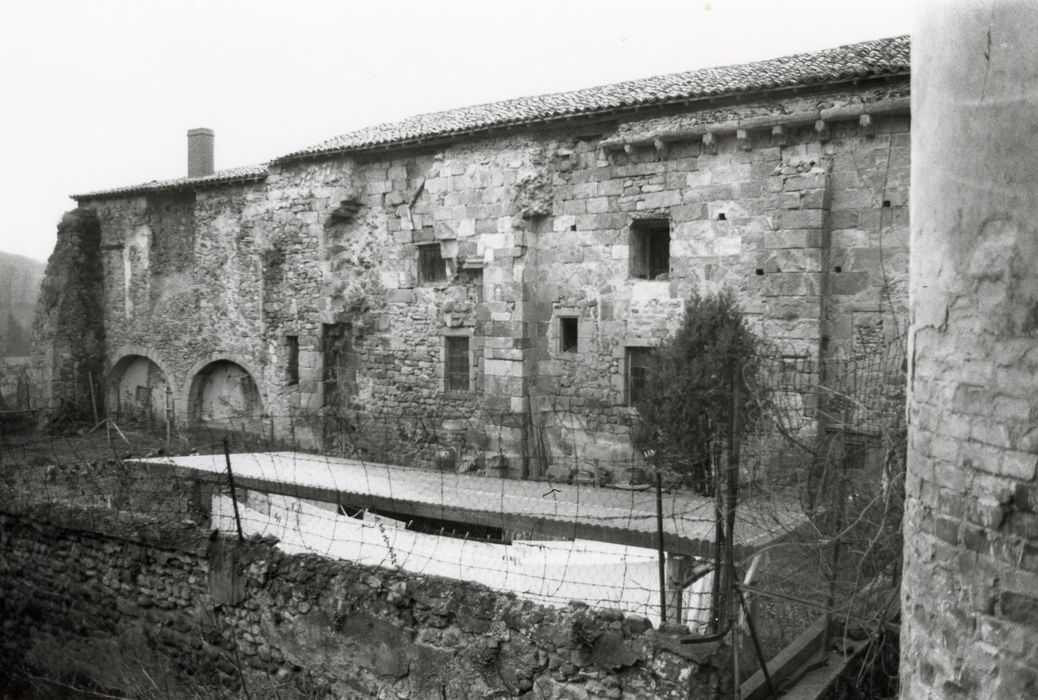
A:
[866,59]
[242,174]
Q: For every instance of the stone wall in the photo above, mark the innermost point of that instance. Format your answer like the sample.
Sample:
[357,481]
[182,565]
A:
[970,592]
[805,221]
[69,327]
[89,594]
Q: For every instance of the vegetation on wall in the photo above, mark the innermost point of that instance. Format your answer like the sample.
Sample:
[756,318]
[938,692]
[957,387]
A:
[699,389]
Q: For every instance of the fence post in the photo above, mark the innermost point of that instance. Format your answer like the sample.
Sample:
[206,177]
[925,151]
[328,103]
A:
[169,417]
[234,494]
[731,502]
[93,396]
[659,545]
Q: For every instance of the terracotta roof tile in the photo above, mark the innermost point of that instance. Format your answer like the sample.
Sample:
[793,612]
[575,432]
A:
[869,58]
[866,59]
[241,174]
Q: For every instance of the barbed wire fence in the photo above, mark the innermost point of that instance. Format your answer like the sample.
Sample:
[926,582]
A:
[817,533]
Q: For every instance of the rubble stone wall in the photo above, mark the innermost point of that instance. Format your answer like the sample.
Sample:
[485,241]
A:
[68,329]
[87,593]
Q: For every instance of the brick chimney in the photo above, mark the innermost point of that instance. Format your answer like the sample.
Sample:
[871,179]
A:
[200,152]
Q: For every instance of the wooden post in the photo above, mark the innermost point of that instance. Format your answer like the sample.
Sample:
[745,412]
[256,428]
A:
[169,417]
[659,546]
[715,592]
[93,397]
[731,501]
[234,494]
[678,569]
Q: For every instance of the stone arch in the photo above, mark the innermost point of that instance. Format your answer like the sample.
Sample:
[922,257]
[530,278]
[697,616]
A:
[137,386]
[224,394]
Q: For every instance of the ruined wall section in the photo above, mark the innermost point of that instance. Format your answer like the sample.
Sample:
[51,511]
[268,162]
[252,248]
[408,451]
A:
[182,281]
[68,337]
[364,224]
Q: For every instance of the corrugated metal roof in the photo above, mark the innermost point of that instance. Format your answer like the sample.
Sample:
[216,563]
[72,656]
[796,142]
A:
[241,174]
[866,59]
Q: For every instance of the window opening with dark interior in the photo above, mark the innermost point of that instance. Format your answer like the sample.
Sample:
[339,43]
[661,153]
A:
[456,376]
[431,266]
[650,249]
[340,363]
[637,373]
[292,359]
[568,334]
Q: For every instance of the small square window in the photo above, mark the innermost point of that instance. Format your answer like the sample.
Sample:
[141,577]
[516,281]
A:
[568,334]
[638,360]
[456,370]
[291,359]
[431,266]
[650,249]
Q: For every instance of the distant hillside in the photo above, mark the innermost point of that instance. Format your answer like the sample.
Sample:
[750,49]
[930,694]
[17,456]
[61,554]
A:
[20,280]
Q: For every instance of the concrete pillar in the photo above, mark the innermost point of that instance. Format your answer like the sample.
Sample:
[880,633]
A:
[970,593]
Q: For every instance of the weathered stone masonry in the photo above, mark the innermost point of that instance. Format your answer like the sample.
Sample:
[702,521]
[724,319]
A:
[795,198]
[970,592]
[81,586]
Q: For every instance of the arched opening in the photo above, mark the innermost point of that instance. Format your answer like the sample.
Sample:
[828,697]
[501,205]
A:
[137,391]
[223,394]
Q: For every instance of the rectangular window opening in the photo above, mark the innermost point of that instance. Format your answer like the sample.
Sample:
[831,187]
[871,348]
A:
[650,249]
[568,334]
[456,371]
[431,265]
[636,374]
[291,360]
[339,372]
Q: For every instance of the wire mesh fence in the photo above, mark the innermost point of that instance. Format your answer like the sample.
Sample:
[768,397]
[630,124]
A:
[816,533]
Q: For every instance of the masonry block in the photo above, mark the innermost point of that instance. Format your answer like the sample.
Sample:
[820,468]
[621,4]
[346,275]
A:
[793,284]
[793,238]
[801,218]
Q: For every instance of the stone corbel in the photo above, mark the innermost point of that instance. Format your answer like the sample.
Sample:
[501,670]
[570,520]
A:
[661,148]
[822,129]
[779,137]
[742,139]
[866,127]
[709,143]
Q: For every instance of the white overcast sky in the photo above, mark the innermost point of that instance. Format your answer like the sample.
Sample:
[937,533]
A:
[100,94]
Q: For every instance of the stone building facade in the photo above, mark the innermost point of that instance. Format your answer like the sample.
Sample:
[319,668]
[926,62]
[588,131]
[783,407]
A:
[490,275]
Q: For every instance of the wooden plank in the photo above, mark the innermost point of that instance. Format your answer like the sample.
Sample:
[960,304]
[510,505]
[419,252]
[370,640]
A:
[816,683]
[786,663]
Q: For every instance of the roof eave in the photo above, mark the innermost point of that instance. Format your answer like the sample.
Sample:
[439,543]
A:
[450,136]
[186,185]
